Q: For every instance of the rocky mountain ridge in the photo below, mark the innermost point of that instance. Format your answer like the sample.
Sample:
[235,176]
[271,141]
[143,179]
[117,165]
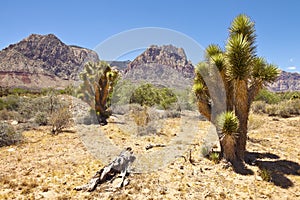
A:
[166,55]
[40,61]
[287,81]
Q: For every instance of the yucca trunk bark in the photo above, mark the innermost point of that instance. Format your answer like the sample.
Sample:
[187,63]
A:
[241,111]
[101,95]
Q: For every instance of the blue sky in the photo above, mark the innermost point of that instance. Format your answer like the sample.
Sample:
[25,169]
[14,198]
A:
[88,23]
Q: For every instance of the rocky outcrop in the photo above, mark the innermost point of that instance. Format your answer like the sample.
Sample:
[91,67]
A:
[286,81]
[167,56]
[42,61]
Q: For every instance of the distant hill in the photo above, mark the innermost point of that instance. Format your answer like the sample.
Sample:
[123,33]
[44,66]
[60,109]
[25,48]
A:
[164,65]
[287,81]
[121,65]
[166,55]
[40,61]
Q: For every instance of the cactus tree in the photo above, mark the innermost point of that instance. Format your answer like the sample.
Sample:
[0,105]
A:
[98,82]
[242,73]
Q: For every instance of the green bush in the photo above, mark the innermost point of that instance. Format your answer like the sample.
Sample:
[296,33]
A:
[267,96]
[150,95]
[8,135]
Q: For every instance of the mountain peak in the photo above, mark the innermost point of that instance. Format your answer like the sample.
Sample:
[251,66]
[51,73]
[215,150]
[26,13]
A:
[41,55]
[166,55]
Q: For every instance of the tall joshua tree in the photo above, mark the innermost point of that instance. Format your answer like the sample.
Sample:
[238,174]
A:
[98,82]
[242,74]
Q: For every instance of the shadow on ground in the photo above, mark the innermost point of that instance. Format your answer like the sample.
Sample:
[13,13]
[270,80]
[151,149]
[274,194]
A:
[278,168]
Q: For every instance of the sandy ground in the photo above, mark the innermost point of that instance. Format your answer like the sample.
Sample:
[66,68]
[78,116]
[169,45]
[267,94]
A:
[49,167]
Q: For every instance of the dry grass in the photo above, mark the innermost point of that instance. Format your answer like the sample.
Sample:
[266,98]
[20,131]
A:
[48,167]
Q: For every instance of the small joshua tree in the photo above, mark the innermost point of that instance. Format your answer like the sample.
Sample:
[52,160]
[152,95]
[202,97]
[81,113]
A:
[228,124]
[98,82]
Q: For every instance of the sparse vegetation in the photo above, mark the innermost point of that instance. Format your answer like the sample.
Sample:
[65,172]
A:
[41,118]
[60,120]
[265,174]
[8,135]
[214,157]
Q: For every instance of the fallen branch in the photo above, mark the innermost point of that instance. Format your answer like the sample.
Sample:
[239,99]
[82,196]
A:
[108,173]
[150,146]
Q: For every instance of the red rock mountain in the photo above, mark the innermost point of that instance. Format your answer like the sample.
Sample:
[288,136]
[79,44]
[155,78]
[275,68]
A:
[40,61]
[166,55]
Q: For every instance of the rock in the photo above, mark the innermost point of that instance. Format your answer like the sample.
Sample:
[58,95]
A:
[11,149]
[14,122]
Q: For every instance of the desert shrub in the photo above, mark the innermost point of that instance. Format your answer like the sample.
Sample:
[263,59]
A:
[272,110]
[265,174]
[258,107]
[10,115]
[286,108]
[267,96]
[214,157]
[172,114]
[8,135]
[11,102]
[2,104]
[255,122]
[205,151]
[69,90]
[60,120]
[41,118]
[150,95]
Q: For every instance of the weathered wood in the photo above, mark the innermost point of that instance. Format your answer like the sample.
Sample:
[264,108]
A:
[150,146]
[118,166]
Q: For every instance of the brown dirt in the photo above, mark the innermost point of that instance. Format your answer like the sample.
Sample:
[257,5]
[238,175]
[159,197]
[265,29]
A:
[49,167]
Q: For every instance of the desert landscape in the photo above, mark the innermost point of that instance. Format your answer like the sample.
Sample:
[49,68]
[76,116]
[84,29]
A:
[149,113]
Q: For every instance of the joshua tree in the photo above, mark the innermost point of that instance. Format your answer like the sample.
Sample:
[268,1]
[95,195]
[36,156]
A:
[242,74]
[98,82]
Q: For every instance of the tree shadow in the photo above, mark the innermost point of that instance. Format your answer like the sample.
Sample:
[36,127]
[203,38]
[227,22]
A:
[278,169]
[240,168]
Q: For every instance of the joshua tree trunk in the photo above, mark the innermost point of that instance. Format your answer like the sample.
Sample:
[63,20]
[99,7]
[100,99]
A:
[241,111]
[101,96]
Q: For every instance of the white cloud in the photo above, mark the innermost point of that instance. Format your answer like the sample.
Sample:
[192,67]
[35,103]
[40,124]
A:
[291,68]
[291,59]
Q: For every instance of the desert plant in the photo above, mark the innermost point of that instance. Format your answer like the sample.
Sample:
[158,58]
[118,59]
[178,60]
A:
[8,135]
[215,157]
[228,124]
[60,120]
[41,118]
[98,83]
[150,95]
[258,107]
[243,75]
[255,122]
[265,174]
[267,96]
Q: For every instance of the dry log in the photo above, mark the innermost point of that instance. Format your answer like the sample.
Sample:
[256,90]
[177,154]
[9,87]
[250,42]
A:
[150,146]
[120,165]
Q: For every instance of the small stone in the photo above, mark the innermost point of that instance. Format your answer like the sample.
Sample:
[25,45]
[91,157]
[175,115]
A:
[14,122]
[11,149]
